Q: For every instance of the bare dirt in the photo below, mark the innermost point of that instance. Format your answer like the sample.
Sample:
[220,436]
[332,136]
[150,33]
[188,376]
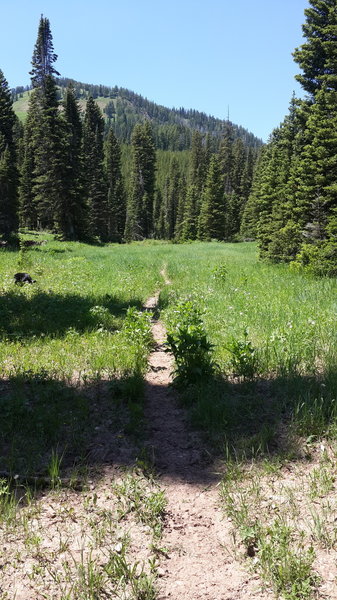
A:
[198,561]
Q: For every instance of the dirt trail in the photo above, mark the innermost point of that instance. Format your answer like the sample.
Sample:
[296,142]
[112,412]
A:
[196,535]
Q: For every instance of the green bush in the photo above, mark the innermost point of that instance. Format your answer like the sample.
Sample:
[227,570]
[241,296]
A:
[187,340]
[244,358]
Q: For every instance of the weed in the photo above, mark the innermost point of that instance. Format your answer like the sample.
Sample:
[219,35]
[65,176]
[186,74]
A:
[187,340]
[8,505]
[54,468]
[137,327]
[244,359]
[287,566]
[142,497]
[220,273]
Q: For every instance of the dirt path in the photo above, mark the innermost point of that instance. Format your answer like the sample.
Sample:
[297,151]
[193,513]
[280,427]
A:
[196,535]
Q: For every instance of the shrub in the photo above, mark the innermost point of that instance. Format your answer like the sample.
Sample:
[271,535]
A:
[188,342]
[244,358]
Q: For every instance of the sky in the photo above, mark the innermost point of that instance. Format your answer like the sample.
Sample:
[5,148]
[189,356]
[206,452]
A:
[216,56]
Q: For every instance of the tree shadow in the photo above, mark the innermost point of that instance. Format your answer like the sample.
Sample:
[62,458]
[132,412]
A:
[265,417]
[53,314]
[47,423]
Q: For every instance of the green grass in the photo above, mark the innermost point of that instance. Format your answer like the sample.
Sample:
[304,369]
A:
[272,331]
[79,325]
[73,353]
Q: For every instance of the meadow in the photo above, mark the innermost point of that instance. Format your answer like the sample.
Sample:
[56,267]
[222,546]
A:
[261,383]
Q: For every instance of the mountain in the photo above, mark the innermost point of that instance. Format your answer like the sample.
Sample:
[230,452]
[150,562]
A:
[172,127]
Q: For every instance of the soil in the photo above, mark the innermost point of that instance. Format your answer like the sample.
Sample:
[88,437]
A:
[198,561]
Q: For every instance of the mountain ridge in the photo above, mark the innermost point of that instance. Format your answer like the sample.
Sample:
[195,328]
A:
[123,108]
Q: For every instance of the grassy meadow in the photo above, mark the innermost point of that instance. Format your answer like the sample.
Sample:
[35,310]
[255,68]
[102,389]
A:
[73,354]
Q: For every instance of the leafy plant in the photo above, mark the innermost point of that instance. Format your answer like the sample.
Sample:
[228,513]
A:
[244,358]
[187,340]
[137,326]
[220,273]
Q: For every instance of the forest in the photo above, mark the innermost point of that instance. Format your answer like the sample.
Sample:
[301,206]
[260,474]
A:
[134,170]
[168,342]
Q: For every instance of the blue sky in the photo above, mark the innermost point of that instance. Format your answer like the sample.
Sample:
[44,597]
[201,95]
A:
[208,55]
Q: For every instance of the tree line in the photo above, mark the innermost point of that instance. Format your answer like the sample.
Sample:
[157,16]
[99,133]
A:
[292,208]
[72,174]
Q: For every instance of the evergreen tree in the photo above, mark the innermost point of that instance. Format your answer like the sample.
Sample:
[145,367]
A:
[8,164]
[226,158]
[212,213]
[316,195]
[171,200]
[50,161]
[32,131]
[180,209]
[139,219]
[73,216]
[42,193]
[43,55]
[94,179]
[116,193]
[318,56]
[189,223]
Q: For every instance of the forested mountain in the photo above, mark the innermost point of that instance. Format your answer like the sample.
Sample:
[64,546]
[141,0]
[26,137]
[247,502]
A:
[292,208]
[172,128]
[97,163]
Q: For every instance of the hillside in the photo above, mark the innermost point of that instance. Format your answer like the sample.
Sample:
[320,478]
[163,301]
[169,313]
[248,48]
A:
[172,127]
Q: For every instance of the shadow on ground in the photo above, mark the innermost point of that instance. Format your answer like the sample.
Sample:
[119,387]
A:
[102,423]
[53,314]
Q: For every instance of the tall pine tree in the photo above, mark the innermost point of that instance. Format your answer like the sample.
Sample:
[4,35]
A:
[116,191]
[8,165]
[139,219]
[95,181]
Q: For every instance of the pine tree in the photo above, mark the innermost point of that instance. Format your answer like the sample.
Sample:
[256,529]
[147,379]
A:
[8,165]
[50,162]
[73,215]
[318,56]
[32,131]
[43,55]
[116,192]
[171,200]
[212,213]
[189,223]
[94,180]
[226,157]
[198,166]
[42,193]
[139,219]
[316,195]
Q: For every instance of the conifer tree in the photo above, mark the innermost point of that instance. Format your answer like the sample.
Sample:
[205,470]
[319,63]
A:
[212,213]
[316,195]
[189,223]
[317,57]
[42,194]
[43,55]
[94,179]
[8,165]
[50,161]
[31,140]
[171,200]
[180,209]
[226,157]
[73,216]
[116,192]
[139,219]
